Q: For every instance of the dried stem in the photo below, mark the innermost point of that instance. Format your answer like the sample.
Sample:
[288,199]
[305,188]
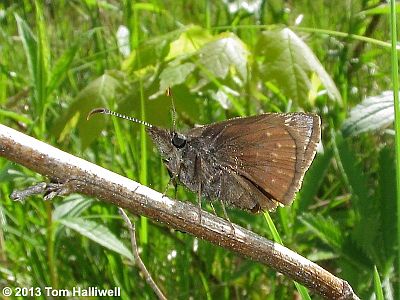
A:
[137,258]
[90,179]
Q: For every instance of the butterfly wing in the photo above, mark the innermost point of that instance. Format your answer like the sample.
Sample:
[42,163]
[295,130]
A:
[267,155]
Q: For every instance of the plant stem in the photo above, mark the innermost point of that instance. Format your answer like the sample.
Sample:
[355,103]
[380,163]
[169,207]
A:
[395,80]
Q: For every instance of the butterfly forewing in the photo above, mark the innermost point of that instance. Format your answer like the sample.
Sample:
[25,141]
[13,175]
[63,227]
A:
[306,128]
[271,152]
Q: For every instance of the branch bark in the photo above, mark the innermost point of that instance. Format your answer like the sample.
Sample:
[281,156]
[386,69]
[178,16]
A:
[92,180]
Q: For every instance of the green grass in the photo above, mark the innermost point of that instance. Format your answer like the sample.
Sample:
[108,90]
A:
[60,60]
[395,80]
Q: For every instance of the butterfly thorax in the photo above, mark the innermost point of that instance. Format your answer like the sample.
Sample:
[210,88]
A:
[190,158]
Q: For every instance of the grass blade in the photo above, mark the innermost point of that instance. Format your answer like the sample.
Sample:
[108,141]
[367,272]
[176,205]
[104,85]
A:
[378,285]
[30,46]
[395,81]
[43,61]
[302,290]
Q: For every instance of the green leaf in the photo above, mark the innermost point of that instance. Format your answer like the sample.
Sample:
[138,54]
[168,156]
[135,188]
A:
[380,10]
[378,285]
[362,198]
[38,55]
[225,52]
[318,255]
[224,95]
[314,178]
[97,233]
[387,203]
[99,92]
[189,42]
[374,113]
[185,102]
[303,291]
[30,46]
[71,206]
[175,73]
[150,7]
[15,116]
[286,60]
[272,228]
[327,229]
[152,51]
[43,66]
[61,67]
[356,255]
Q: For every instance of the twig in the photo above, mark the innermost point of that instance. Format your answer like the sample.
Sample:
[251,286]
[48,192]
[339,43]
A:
[137,258]
[49,190]
[92,180]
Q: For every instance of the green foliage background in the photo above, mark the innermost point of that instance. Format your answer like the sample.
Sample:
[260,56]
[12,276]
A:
[60,59]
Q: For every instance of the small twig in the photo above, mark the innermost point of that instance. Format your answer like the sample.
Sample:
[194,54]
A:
[137,258]
[20,195]
[49,190]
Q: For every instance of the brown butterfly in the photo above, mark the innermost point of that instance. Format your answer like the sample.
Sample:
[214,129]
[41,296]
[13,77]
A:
[254,163]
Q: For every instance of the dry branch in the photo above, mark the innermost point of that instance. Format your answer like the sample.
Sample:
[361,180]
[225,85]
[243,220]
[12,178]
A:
[92,180]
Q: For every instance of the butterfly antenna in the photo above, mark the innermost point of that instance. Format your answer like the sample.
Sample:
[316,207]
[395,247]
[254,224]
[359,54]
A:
[106,111]
[168,92]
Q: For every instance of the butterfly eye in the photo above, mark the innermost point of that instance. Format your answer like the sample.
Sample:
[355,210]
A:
[178,142]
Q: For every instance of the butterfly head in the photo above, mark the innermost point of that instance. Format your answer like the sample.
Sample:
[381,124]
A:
[169,143]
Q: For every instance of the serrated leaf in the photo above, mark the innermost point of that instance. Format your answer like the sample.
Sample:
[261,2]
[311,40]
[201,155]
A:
[97,233]
[314,178]
[374,113]
[387,203]
[188,42]
[223,53]
[325,228]
[355,254]
[289,62]
[362,200]
[174,74]
[98,93]
[151,52]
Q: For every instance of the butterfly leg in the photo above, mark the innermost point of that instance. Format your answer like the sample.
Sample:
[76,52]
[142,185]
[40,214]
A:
[227,218]
[173,178]
[197,177]
[199,201]
[221,178]
[213,209]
